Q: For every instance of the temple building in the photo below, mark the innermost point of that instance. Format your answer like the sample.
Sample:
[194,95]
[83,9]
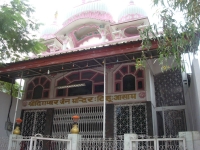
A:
[68,78]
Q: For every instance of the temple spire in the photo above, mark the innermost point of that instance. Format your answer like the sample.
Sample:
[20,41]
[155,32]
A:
[56,15]
[131,2]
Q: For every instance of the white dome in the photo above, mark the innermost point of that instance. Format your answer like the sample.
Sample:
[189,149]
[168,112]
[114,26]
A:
[50,30]
[89,9]
[131,12]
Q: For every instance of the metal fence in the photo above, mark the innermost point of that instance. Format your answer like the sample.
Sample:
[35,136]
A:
[158,144]
[101,144]
[38,143]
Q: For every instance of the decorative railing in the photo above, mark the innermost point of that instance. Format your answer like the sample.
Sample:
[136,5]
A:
[18,142]
[101,144]
[155,143]
[4,141]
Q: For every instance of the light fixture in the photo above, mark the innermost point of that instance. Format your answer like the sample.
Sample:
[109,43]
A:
[133,58]
[117,60]
[73,64]
[28,72]
[8,75]
[87,64]
[48,72]
[103,61]
[40,70]
[62,67]
[71,86]
[151,56]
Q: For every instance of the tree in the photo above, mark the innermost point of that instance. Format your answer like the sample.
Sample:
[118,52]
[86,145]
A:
[6,87]
[176,37]
[17,29]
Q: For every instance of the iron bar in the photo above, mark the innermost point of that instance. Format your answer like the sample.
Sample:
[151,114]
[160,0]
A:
[104,102]
[17,102]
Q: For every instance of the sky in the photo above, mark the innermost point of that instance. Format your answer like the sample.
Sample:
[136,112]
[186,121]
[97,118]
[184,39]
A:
[45,9]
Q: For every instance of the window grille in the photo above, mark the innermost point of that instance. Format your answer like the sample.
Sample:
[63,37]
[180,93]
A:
[130,118]
[169,88]
[33,122]
[90,123]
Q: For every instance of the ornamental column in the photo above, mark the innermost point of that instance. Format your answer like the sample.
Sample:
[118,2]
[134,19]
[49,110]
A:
[103,31]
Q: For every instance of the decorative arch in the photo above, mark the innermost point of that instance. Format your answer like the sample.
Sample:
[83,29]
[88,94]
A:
[130,31]
[127,78]
[93,80]
[38,88]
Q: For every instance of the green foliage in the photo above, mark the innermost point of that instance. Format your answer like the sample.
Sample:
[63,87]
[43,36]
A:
[5,87]
[17,31]
[174,38]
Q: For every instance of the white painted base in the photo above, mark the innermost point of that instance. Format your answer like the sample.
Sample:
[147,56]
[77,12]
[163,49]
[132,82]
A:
[127,139]
[75,138]
[15,144]
[192,139]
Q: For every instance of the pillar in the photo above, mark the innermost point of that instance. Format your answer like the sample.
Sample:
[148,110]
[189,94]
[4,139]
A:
[192,139]
[48,126]
[14,144]
[128,145]
[149,118]
[109,120]
[75,140]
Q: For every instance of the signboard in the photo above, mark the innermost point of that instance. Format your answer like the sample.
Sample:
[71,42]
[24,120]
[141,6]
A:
[85,100]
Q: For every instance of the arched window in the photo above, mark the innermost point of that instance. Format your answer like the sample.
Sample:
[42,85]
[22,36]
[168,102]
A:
[37,92]
[127,78]
[38,88]
[128,83]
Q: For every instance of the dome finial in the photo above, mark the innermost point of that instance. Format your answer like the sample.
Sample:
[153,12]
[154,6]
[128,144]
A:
[56,15]
[131,2]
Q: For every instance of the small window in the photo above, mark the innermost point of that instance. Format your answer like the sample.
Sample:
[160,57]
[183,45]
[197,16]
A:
[30,86]
[117,87]
[74,76]
[36,81]
[61,92]
[132,69]
[118,76]
[62,82]
[139,74]
[129,83]
[99,78]
[98,88]
[29,95]
[37,92]
[47,85]
[87,75]
[46,94]
[140,85]
[42,80]
[124,69]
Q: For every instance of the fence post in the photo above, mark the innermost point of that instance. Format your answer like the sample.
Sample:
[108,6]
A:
[75,139]
[12,143]
[192,139]
[128,145]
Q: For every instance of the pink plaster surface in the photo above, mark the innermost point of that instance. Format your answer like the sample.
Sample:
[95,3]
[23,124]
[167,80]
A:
[104,16]
[130,17]
[114,42]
